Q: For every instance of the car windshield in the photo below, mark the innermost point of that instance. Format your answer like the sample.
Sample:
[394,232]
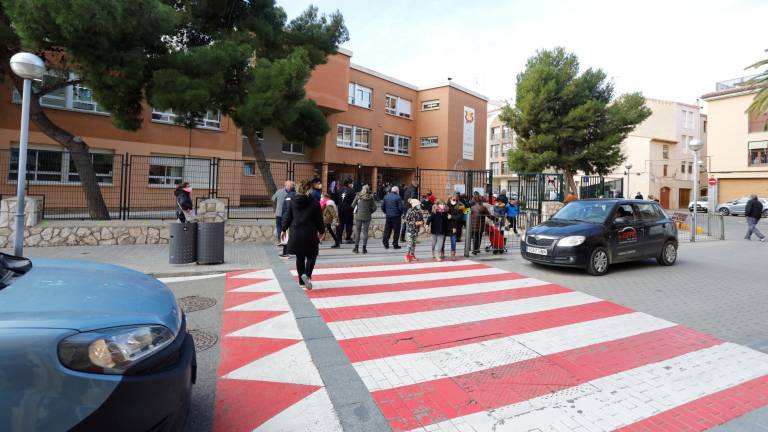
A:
[585,211]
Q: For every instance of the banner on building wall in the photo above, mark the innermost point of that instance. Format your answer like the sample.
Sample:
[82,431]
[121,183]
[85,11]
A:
[469,133]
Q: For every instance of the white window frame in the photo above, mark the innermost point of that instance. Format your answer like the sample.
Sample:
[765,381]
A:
[496,168]
[293,148]
[506,132]
[252,170]
[495,148]
[429,141]
[401,144]
[403,107]
[195,170]
[357,94]
[64,172]
[211,120]
[353,142]
[505,148]
[430,105]
[495,133]
[70,97]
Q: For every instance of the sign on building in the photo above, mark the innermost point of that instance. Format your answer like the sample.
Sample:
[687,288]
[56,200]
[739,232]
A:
[469,133]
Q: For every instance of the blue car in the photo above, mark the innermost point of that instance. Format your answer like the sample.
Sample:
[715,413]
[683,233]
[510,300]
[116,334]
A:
[90,347]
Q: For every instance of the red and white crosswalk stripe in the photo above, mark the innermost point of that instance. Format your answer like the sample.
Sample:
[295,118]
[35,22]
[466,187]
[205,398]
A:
[463,346]
[267,380]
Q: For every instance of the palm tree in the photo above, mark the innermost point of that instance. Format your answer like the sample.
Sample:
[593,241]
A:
[760,103]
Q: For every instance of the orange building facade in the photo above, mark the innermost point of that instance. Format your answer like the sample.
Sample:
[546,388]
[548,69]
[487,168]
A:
[382,129]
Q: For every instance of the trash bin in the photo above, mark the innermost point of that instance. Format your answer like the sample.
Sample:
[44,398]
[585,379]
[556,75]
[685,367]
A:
[183,243]
[210,242]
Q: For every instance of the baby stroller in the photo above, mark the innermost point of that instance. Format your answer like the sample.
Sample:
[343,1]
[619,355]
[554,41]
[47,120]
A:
[498,241]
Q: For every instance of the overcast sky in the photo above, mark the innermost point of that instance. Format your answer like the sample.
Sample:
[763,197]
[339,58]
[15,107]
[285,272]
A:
[667,49]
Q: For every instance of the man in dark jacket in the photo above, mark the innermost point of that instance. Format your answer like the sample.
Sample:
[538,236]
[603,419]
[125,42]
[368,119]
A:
[346,213]
[286,206]
[317,189]
[753,211]
[411,192]
[393,209]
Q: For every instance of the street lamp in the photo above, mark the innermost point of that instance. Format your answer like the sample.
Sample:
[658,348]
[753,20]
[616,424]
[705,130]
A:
[628,166]
[695,145]
[30,67]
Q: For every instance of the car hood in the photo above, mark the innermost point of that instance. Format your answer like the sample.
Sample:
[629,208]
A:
[85,296]
[561,228]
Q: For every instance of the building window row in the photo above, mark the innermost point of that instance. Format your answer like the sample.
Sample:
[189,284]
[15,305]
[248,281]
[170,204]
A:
[55,166]
[353,137]
[397,144]
[75,97]
[293,148]
[360,95]
[397,106]
[211,120]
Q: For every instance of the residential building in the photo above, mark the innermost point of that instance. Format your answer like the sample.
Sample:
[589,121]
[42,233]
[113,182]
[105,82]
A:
[500,141]
[738,142]
[657,149]
[382,129]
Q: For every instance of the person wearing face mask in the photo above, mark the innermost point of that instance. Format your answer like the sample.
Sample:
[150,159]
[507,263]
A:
[183,194]
[438,227]
[305,221]
[455,222]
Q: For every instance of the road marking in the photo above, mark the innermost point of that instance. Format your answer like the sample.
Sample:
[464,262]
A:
[366,268]
[407,277]
[177,279]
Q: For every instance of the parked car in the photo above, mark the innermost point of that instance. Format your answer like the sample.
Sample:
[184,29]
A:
[737,207]
[90,347]
[595,233]
[701,205]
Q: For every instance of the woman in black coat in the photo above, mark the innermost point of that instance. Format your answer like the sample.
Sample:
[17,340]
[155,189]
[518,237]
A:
[305,221]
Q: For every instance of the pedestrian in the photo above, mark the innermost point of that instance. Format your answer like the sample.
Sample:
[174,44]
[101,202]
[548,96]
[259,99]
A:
[569,198]
[364,205]
[305,221]
[455,222]
[410,192]
[426,204]
[638,195]
[438,227]
[393,209]
[346,213]
[317,189]
[277,201]
[184,211]
[286,206]
[753,211]
[503,197]
[330,216]
[478,213]
[513,210]
[413,221]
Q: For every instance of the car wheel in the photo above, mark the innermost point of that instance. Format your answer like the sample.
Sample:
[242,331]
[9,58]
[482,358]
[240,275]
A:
[765,213]
[598,261]
[668,254]
[724,211]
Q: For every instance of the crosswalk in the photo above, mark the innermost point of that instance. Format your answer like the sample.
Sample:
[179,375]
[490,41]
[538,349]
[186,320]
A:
[462,346]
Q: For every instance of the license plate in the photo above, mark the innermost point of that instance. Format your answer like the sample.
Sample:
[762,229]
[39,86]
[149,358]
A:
[537,251]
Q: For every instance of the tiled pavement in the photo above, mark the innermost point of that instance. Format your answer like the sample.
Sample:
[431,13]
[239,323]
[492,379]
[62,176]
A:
[468,347]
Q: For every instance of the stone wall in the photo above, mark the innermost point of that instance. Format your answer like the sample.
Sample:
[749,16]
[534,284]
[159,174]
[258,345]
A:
[87,233]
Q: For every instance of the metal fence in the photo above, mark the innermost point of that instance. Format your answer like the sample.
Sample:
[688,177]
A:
[444,183]
[495,234]
[708,226]
[537,188]
[600,187]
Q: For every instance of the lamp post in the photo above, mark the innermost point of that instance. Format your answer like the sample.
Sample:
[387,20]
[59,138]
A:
[30,67]
[695,145]
[628,166]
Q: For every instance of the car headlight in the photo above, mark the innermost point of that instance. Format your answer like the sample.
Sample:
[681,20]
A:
[571,241]
[113,350]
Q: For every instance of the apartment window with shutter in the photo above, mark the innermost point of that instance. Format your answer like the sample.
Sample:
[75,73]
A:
[397,106]
[360,95]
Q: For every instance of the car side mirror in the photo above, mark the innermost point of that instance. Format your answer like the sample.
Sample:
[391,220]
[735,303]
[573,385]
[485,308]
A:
[620,221]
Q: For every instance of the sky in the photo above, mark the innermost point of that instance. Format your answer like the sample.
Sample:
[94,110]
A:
[672,49]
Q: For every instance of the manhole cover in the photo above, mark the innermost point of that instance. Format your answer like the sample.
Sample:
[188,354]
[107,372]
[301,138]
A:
[195,303]
[203,340]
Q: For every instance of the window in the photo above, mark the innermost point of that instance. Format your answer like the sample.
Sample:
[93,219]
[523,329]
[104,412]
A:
[505,148]
[430,105]
[495,131]
[665,170]
[211,119]
[758,153]
[690,167]
[495,168]
[360,96]
[168,171]
[353,137]
[397,144]
[57,166]
[506,132]
[249,168]
[504,168]
[429,141]
[704,126]
[398,106]
[758,122]
[77,97]
[296,148]
[495,150]
[665,151]
[688,120]
[682,167]
[648,212]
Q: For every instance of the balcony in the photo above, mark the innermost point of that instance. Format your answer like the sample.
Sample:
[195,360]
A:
[733,83]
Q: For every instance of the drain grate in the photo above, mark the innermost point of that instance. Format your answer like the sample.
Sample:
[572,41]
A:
[203,340]
[195,303]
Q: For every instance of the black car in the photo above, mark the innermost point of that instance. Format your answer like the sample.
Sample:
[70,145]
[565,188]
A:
[595,233]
